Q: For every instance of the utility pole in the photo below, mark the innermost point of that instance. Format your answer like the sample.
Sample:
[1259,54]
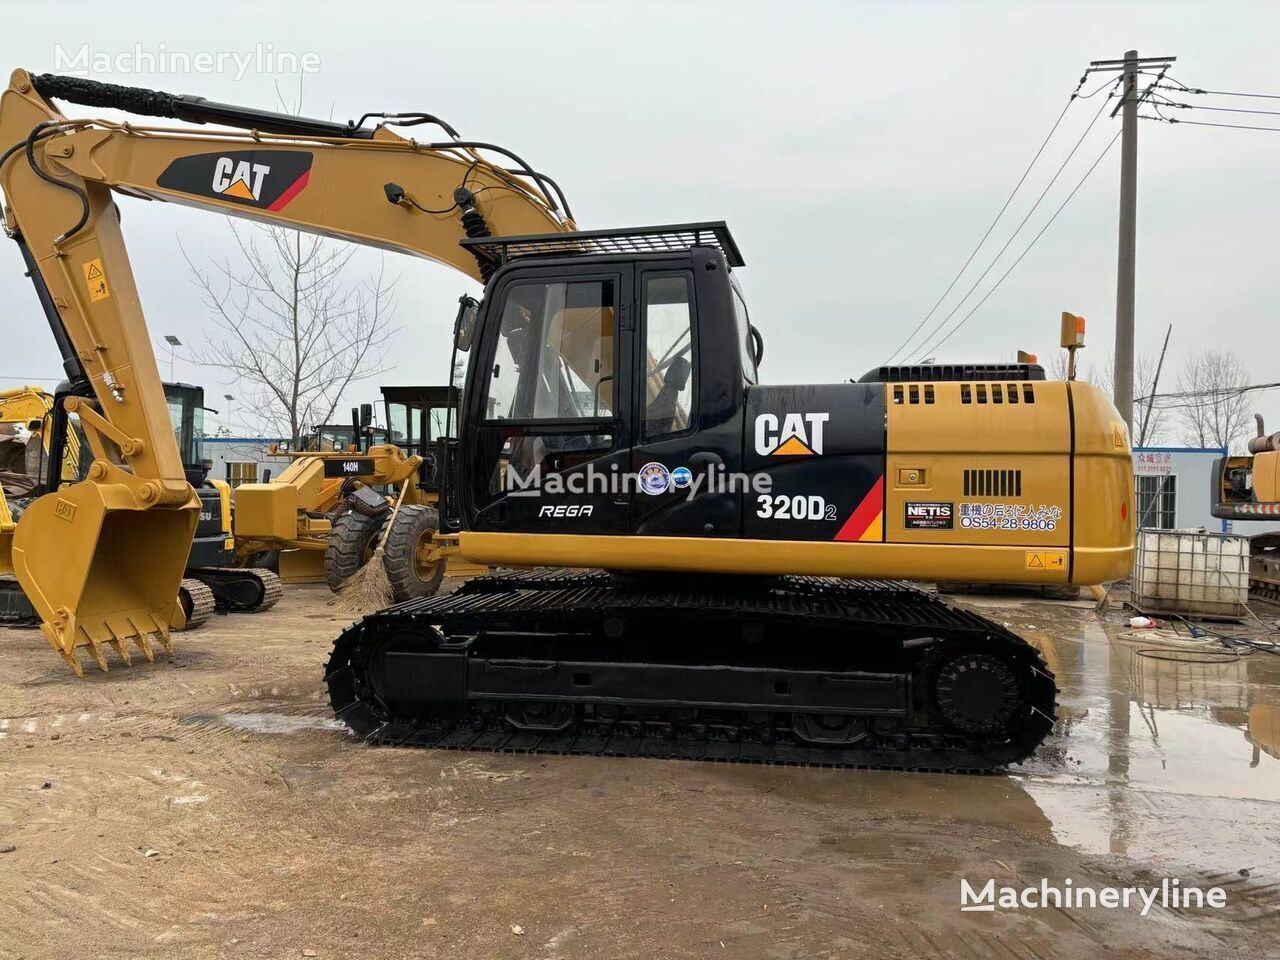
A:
[1123,374]
[1130,67]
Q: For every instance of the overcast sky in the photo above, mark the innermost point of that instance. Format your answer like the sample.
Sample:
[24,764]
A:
[857,150]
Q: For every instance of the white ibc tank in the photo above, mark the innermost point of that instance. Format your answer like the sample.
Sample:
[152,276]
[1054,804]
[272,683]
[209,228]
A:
[1191,572]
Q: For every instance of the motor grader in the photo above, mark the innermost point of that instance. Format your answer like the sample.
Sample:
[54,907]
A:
[718,547]
[328,510]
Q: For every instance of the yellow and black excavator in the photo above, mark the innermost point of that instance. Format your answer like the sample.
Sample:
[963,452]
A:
[704,530]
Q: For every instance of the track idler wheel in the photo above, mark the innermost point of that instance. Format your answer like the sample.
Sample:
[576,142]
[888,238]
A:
[977,692]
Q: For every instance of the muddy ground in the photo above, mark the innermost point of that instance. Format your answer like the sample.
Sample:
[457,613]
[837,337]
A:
[210,808]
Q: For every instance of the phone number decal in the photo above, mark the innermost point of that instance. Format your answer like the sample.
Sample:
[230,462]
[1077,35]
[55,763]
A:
[1009,516]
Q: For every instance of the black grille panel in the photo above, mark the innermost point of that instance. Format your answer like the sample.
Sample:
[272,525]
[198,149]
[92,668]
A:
[993,483]
[943,372]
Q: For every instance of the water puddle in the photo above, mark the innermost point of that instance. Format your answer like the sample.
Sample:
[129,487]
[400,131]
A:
[266,723]
[1161,751]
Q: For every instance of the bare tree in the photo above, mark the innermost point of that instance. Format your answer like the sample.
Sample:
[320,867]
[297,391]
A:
[1212,410]
[1154,417]
[1055,365]
[292,325]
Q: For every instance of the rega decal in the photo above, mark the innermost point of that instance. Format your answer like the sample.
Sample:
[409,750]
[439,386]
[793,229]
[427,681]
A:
[266,179]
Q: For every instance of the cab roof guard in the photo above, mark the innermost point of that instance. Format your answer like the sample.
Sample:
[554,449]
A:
[665,238]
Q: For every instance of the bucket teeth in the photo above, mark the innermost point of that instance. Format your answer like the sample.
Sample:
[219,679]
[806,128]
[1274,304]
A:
[142,638]
[145,646]
[72,661]
[118,645]
[99,657]
[163,636]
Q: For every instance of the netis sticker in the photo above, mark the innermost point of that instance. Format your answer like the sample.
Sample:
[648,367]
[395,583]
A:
[929,515]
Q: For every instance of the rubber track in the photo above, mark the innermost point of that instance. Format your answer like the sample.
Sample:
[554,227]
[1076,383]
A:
[540,599]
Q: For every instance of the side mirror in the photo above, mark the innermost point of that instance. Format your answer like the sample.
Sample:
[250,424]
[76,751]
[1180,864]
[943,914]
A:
[464,325]
[366,414]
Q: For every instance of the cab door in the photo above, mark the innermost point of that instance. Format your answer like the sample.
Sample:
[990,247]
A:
[548,432]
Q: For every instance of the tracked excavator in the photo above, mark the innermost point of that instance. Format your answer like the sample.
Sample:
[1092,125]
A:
[716,567]
[213,582]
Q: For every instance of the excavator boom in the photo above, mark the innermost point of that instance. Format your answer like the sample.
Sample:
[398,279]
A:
[122,535]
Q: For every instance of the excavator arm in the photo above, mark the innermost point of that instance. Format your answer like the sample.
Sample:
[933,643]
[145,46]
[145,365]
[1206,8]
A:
[101,560]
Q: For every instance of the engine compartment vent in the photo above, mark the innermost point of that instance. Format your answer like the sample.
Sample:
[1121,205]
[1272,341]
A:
[952,372]
[993,483]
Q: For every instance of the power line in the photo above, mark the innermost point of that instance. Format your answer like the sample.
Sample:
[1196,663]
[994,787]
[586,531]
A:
[1167,102]
[1075,95]
[974,252]
[1218,393]
[1199,91]
[1073,192]
[1018,229]
[1206,123]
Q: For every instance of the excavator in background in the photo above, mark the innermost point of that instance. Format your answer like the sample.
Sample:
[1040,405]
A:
[717,546]
[22,469]
[1248,488]
[232,581]
[213,582]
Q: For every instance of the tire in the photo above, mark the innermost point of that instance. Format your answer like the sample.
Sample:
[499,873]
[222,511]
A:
[351,543]
[399,554]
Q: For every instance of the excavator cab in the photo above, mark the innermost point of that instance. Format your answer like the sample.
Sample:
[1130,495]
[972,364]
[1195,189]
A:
[589,368]
[214,545]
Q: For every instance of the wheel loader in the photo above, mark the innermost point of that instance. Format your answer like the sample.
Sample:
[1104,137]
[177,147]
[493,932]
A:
[717,567]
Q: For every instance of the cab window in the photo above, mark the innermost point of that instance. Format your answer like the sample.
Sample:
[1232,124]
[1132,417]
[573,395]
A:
[669,359]
[554,357]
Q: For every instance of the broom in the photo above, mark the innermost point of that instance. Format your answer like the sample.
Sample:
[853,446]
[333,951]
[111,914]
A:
[368,588]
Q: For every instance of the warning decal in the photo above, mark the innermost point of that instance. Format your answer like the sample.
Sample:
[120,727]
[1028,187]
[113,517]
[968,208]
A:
[1048,561]
[96,280]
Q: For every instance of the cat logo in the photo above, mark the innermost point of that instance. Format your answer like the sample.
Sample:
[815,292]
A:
[795,435]
[265,178]
[242,179]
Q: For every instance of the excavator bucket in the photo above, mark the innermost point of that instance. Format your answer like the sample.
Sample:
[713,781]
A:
[114,578]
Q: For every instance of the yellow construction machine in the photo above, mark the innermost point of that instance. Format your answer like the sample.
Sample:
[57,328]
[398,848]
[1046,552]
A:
[704,528]
[326,512]
[1248,488]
